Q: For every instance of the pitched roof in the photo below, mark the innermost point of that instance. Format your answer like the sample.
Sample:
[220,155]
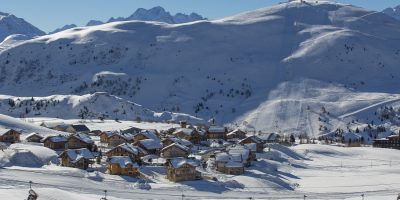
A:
[150,134]
[151,144]
[216,129]
[80,127]
[254,138]
[77,154]
[131,148]
[186,131]
[176,145]
[83,137]
[55,139]
[123,161]
[179,141]
[132,130]
[4,131]
[236,131]
[33,134]
[179,162]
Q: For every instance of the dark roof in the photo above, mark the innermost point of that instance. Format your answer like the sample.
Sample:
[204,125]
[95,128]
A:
[80,127]
[131,130]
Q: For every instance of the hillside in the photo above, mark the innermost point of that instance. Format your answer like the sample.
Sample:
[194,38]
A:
[231,69]
[94,106]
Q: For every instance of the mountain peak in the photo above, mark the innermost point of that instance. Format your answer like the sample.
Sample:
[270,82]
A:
[393,12]
[10,24]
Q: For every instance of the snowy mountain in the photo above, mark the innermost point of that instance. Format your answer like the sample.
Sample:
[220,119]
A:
[393,12]
[272,69]
[68,26]
[10,24]
[154,14]
[93,106]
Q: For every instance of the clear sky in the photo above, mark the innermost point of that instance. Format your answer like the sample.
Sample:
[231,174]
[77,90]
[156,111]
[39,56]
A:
[51,14]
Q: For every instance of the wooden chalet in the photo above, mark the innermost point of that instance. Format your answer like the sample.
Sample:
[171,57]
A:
[191,135]
[78,141]
[34,137]
[122,165]
[126,149]
[116,138]
[229,163]
[80,128]
[216,132]
[392,142]
[55,142]
[174,151]
[77,158]
[152,146]
[146,134]
[255,143]
[182,169]
[9,135]
[236,134]
[170,140]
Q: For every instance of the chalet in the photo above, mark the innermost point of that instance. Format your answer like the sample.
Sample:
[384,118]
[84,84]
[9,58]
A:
[122,165]
[95,132]
[244,152]
[216,132]
[80,128]
[126,149]
[78,141]
[392,142]
[116,138]
[146,134]
[152,146]
[170,140]
[34,137]
[9,135]
[53,125]
[76,158]
[253,141]
[229,163]
[132,130]
[188,134]
[55,142]
[182,169]
[174,151]
[236,134]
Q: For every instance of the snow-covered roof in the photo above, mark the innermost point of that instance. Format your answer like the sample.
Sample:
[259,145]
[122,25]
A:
[150,144]
[55,139]
[233,164]
[83,137]
[150,134]
[255,139]
[126,136]
[123,161]
[241,150]
[52,124]
[33,134]
[251,146]
[236,131]
[131,148]
[80,127]
[180,141]
[77,154]
[186,131]
[216,129]
[222,157]
[131,130]
[187,149]
[3,131]
[179,162]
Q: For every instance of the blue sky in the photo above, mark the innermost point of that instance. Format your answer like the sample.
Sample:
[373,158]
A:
[50,14]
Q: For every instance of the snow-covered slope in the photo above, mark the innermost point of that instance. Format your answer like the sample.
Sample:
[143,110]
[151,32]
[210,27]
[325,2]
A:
[229,68]
[68,26]
[393,12]
[25,127]
[10,24]
[93,106]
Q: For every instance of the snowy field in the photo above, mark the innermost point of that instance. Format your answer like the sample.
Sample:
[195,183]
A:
[318,171]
